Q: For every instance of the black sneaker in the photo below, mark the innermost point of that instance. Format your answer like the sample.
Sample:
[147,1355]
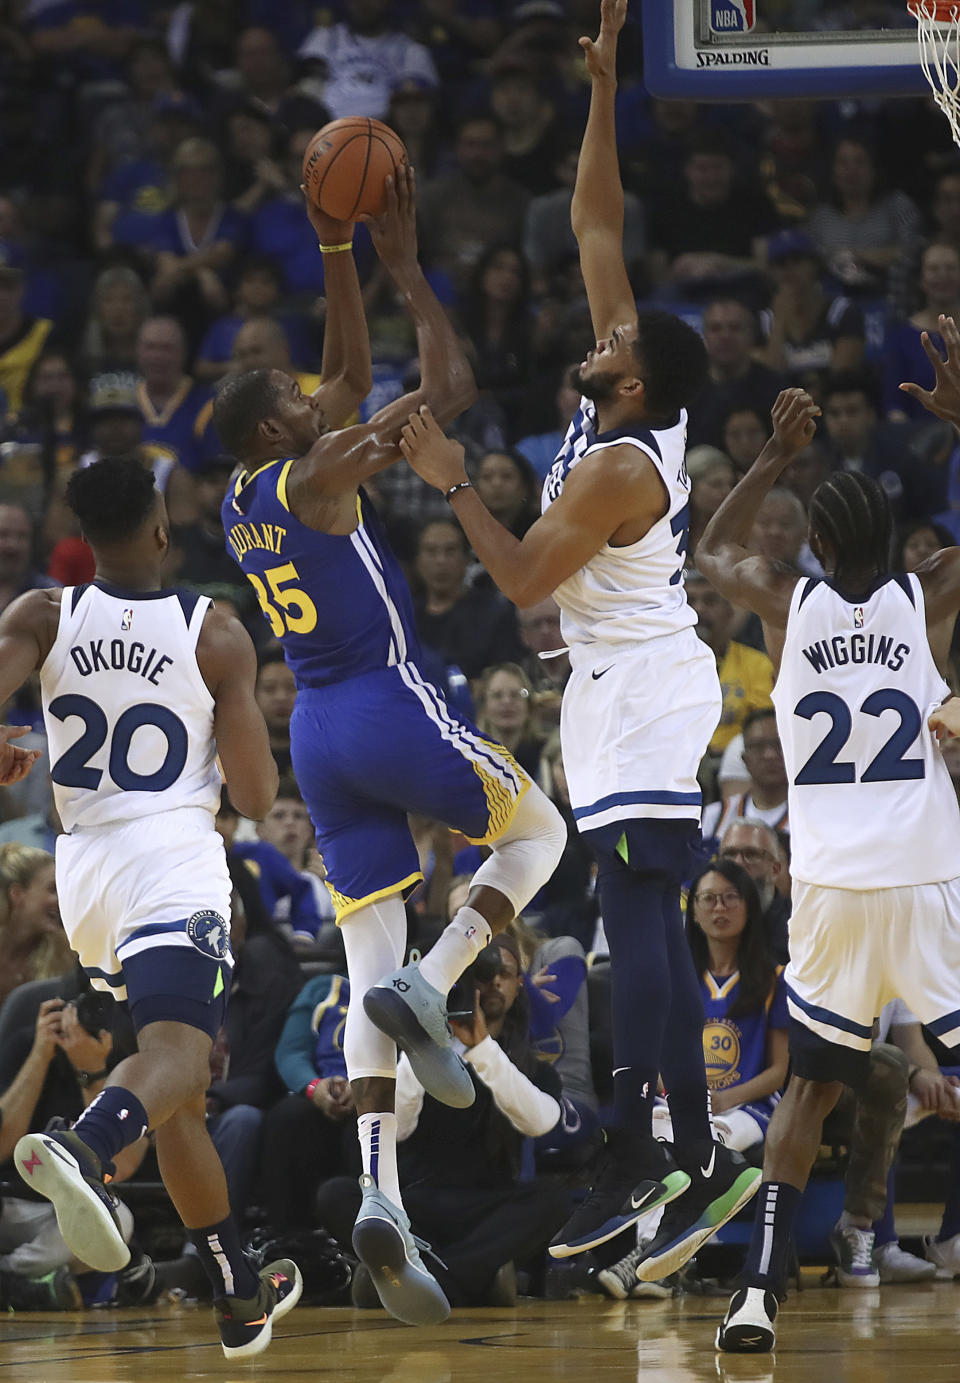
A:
[720,1184]
[636,1175]
[246,1325]
[59,1165]
[56,1291]
[137,1283]
[748,1325]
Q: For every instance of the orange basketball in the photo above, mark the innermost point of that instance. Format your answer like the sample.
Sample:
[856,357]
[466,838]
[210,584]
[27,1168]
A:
[345,165]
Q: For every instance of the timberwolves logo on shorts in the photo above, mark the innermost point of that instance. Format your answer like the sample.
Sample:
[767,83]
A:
[732,16]
[209,933]
[721,1053]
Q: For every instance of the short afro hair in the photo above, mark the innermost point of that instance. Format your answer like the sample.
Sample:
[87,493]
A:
[112,499]
[673,360]
[241,404]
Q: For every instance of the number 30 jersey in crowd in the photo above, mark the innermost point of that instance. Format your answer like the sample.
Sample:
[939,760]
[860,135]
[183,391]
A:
[129,718]
[871,802]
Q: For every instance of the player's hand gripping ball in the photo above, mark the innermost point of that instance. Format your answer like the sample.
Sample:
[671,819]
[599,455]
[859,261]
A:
[345,166]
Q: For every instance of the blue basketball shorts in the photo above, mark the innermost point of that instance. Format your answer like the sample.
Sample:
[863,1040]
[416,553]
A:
[368,751]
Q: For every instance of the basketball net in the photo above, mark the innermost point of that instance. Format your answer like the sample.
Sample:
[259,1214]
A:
[938,32]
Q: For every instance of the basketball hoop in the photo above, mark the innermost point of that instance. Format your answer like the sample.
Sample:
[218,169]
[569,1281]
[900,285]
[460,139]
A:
[938,26]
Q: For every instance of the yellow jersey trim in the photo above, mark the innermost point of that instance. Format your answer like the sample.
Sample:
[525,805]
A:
[282,484]
[502,803]
[720,991]
[345,906]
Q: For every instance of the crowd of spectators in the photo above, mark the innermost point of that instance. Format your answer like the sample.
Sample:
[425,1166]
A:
[152,240]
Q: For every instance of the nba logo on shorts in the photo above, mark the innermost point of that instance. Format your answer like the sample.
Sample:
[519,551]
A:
[208,932]
[858,617]
[732,16]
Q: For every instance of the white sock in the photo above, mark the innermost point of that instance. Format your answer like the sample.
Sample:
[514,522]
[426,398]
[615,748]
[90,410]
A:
[378,1148]
[456,947]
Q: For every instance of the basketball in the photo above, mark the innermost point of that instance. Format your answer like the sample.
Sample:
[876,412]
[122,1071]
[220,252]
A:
[346,164]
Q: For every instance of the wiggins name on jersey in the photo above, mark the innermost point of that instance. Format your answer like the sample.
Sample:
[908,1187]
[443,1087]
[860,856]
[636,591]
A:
[870,798]
[338,603]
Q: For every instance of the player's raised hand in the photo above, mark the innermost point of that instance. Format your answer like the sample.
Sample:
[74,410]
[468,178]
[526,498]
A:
[794,420]
[435,457]
[943,399]
[328,231]
[15,763]
[394,231]
[601,53]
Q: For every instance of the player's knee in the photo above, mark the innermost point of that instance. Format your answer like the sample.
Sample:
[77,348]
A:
[540,821]
[886,1082]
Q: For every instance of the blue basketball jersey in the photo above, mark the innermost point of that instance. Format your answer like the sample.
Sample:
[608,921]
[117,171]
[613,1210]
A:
[735,1049]
[339,604]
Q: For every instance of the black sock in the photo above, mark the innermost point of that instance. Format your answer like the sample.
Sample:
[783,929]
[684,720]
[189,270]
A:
[111,1121]
[768,1256]
[223,1260]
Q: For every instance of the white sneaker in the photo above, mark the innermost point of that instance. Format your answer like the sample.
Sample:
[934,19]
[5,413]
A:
[945,1255]
[896,1265]
[854,1251]
[747,1327]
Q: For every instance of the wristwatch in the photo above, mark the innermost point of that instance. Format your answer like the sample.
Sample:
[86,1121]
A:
[89,1077]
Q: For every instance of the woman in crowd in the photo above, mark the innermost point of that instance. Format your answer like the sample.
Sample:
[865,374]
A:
[864,231]
[33,945]
[119,306]
[903,353]
[495,316]
[508,486]
[712,478]
[505,713]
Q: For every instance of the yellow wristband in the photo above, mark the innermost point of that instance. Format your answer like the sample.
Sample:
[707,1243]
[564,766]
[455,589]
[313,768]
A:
[336,249]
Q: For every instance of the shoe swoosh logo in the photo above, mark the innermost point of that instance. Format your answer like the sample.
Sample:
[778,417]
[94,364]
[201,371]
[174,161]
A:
[750,1339]
[637,1202]
[707,1171]
[597,675]
[261,1321]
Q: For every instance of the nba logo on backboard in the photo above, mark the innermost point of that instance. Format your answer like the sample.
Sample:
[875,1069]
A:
[858,617]
[732,16]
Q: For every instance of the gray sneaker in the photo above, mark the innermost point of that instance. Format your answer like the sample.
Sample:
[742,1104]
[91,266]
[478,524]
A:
[414,1014]
[390,1253]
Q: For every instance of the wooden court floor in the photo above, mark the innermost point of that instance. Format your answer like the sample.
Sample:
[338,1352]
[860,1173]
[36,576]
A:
[891,1335]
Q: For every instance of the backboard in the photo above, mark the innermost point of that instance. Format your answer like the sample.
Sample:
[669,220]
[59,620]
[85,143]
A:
[749,50]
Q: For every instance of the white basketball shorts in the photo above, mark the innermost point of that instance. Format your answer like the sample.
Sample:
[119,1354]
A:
[851,952]
[635,722]
[155,882]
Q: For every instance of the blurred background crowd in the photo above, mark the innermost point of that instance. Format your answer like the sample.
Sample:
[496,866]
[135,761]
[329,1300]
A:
[152,240]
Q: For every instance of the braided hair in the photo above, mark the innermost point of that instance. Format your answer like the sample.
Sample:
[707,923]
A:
[851,511]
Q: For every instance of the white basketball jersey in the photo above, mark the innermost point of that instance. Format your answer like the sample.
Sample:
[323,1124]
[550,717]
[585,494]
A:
[128,715]
[871,801]
[627,594]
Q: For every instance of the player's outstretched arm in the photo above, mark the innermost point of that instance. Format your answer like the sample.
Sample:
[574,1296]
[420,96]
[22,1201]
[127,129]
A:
[28,628]
[346,375]
[723,554]
[596,213]
[338,464]
[228,664]
[601,494]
